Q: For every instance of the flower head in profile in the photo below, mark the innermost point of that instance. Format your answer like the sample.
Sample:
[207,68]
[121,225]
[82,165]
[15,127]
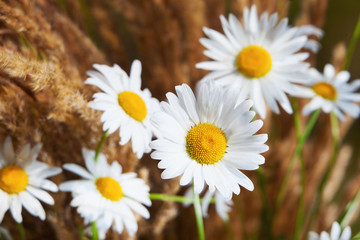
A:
[22,180]
[259,58]
[334,235]
[207,139]
[126,107]
[222,205]
[106,195]
[332,92]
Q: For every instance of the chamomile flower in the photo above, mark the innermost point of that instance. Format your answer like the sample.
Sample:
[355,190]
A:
[125,105]
[207,139]
[332,92]
[106,195]
[334,235]
[259,59]
[22,180]
[222,205]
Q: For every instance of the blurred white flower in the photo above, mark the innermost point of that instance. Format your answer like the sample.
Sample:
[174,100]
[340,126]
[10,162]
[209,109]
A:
[334,235]
[106,195]
[332,92]
[22,179]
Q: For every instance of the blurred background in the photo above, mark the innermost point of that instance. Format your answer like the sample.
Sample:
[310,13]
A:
[46,47]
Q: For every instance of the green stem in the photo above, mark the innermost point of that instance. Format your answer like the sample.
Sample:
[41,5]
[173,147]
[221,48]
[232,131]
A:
[335,137]
[300,210]
[352,44]
[106,133]
[198,214]
[296,118]
[170,198]
[349,210]
[297,152]
[356,237]
[267,220]
[95,235]
[81,233]
[21,231]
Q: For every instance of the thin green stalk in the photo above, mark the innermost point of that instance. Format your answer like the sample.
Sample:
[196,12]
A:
[297,152]
[300,210]
[21,231]
[267,219]
[174,198]
[81,233]
[349,210]
[198,214]
[296,118]
[95,235]
[335,137]
[356,237]
[170,198]
[106,133]
[352,45]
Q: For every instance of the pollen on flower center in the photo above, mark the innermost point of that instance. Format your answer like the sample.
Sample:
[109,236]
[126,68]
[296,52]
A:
[13,179]
[133,105]
[254,61]
[206,143]
[109,188]
[325,90]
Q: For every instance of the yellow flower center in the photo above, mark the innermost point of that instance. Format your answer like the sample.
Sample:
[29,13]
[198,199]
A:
[253,61]
[109,188]
[133,105]
[206,143]
[325,90]
[13,179]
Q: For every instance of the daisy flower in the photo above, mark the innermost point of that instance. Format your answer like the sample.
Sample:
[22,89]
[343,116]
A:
[222,205]
[125,105]
[207,139]
[106,195]
[335,234]
[332,92]
[22,179]
[259,59]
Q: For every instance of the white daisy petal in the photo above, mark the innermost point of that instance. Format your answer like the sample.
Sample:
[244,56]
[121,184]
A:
[5,204]
[329,71]
[313,236]
[41,195]
[346,234]
[15,208]
[135,75]
[77,170]
[32,205]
